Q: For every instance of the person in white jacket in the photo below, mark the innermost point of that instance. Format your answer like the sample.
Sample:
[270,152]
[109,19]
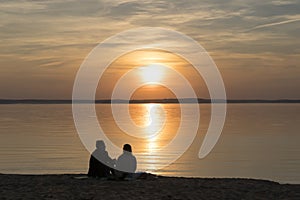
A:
[126,163]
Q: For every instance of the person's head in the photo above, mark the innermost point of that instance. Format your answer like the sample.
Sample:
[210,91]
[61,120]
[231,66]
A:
[127,148]
[100,145]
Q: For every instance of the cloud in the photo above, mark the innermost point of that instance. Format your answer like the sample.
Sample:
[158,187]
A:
[275,24]
[59,34]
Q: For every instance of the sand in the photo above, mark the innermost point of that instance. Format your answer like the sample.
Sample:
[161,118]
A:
[75,186]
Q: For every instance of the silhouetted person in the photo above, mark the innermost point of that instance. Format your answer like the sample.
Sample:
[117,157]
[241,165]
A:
[125,164]
[100,163]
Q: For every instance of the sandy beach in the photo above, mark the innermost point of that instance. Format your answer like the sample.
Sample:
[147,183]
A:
[76,186]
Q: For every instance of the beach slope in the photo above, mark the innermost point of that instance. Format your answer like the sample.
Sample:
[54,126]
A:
[76,186]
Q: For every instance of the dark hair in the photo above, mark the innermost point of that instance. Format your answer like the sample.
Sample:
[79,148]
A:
[100,144]
[127,147]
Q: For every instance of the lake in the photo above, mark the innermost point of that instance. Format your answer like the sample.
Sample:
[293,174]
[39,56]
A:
[258,140]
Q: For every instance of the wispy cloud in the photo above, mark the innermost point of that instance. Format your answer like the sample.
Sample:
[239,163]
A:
[59,34]
[275,24]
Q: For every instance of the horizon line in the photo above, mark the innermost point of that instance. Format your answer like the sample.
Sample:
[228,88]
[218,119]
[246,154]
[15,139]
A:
[140,101]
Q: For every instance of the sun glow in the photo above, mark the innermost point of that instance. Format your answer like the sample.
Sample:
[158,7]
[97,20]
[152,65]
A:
[152,73]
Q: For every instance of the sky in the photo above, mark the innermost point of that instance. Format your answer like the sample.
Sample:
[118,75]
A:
[254,43]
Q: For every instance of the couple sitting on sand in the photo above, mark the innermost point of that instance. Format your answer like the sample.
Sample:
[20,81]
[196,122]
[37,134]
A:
[102,166]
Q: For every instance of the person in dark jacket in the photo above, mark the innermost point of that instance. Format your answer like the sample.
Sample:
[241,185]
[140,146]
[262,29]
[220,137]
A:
[100,165]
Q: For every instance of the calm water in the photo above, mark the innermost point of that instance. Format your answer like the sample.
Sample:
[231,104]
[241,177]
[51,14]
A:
[258,141]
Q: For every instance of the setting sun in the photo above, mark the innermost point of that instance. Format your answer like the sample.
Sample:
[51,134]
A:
[152,73]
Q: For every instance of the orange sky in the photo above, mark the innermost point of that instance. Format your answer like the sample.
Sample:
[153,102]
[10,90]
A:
[140,58]
[254,44]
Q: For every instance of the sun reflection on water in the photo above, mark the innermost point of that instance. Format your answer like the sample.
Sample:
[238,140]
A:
[158,126]
[154,120]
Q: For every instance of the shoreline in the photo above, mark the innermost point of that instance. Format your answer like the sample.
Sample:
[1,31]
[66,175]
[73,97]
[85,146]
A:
[78,186]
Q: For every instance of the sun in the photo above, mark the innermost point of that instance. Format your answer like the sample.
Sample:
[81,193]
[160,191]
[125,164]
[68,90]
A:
[152,73]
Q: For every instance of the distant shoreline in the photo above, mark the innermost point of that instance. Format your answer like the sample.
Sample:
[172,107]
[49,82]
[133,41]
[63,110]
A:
[145,101]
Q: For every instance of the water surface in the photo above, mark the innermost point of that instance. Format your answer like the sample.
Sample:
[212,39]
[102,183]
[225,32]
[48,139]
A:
[258,141]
